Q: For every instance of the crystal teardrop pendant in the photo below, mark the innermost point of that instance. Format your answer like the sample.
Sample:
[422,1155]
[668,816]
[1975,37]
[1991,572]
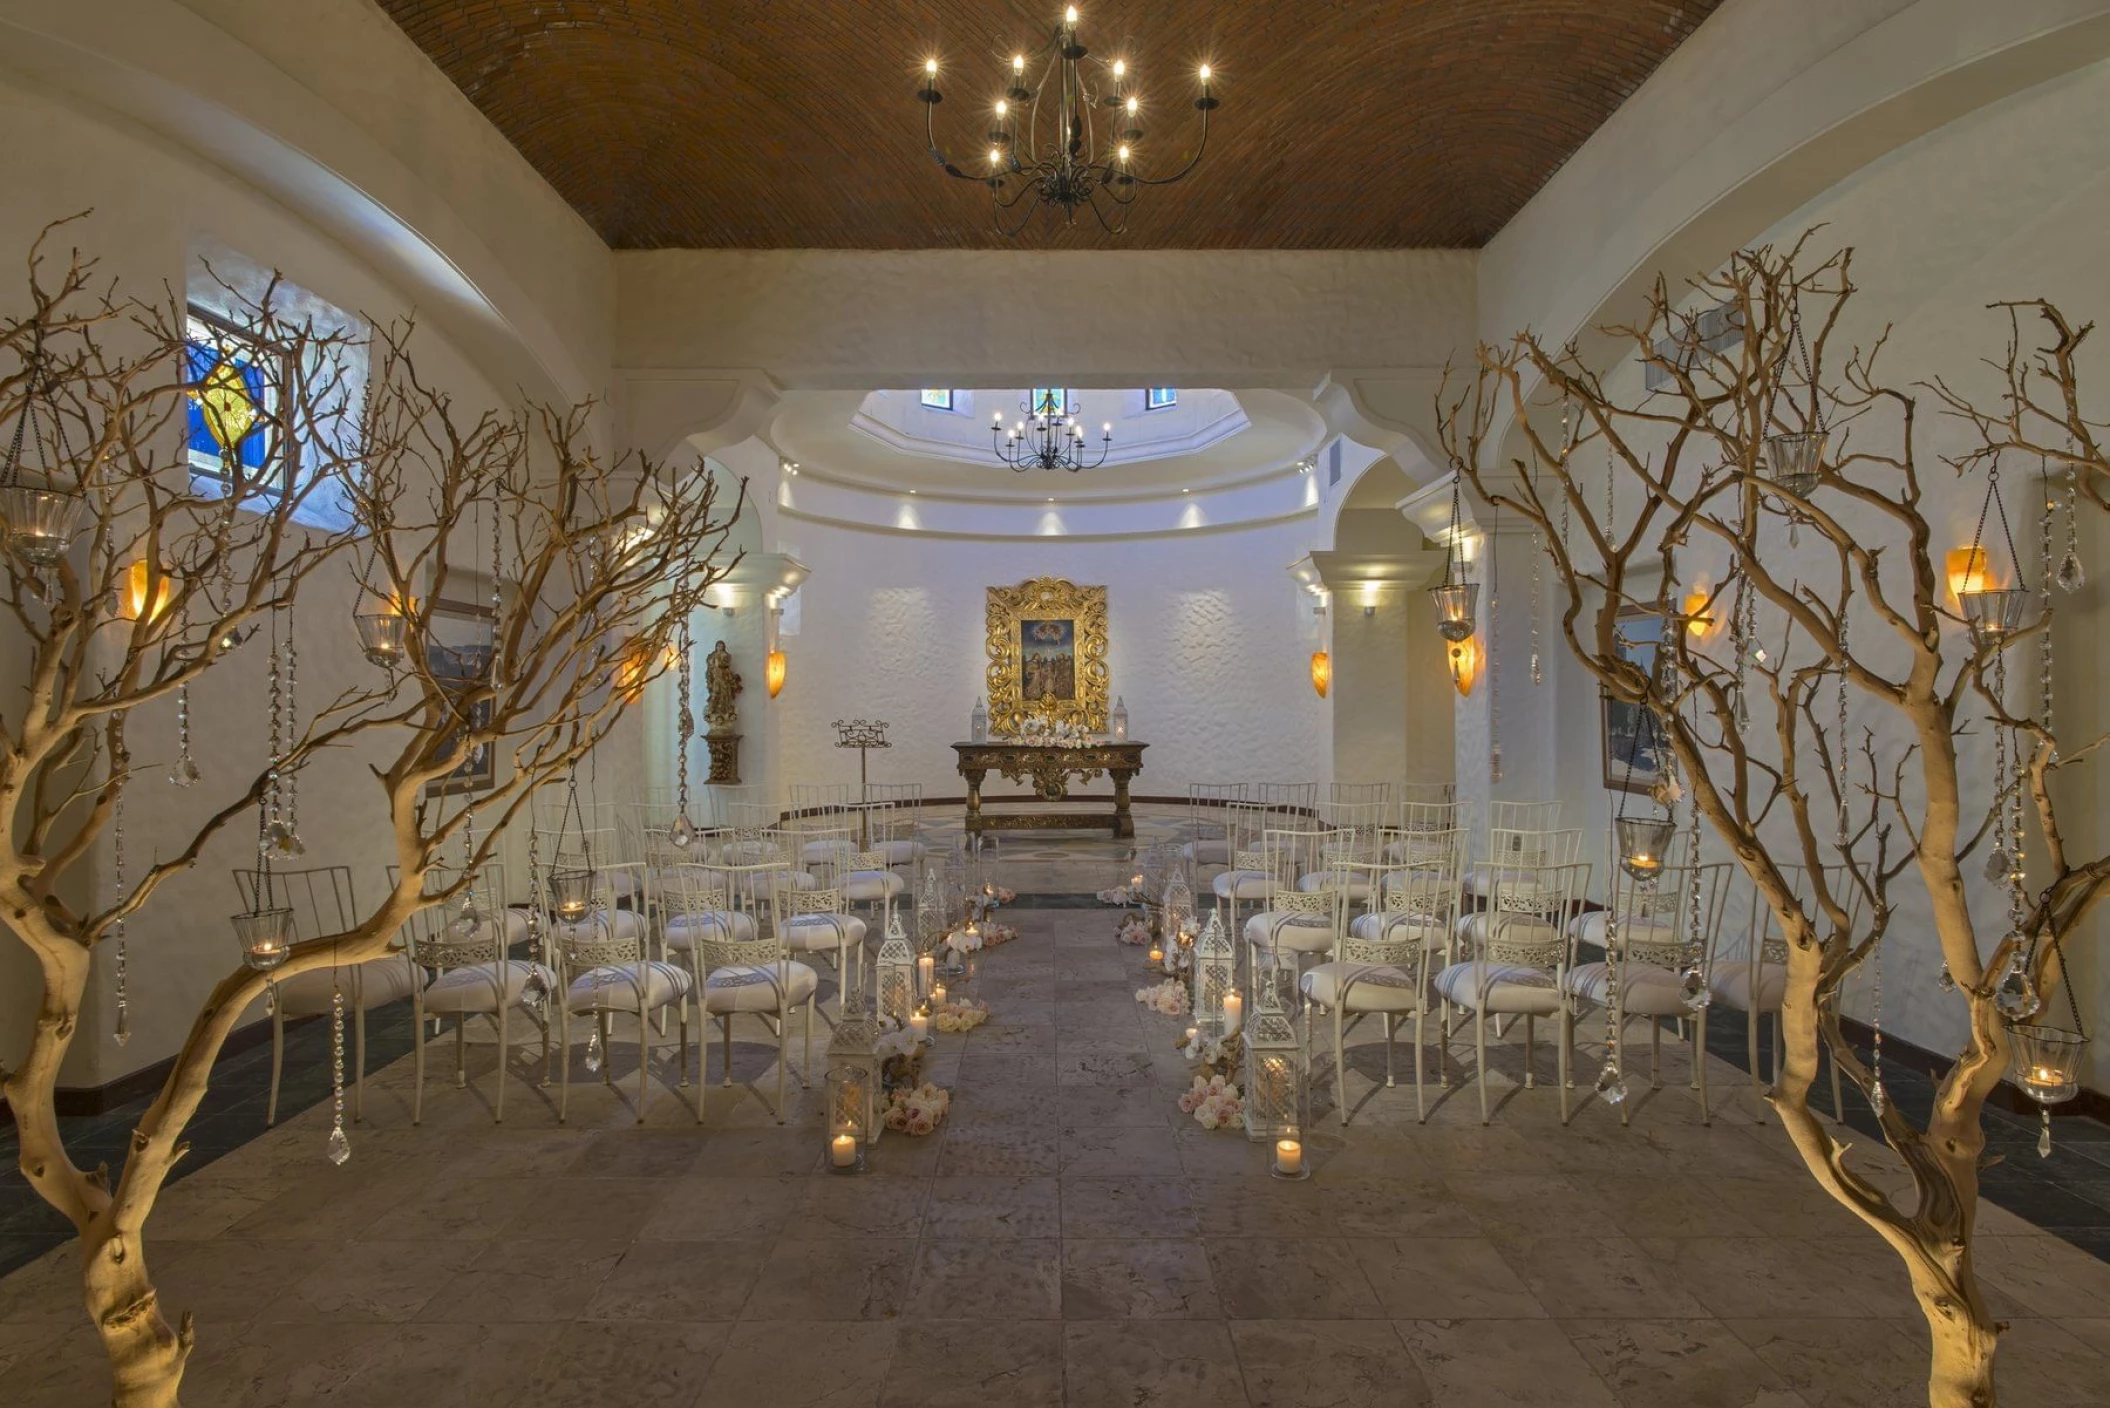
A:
[1997,866]
[2071,577]
[2017,997]
[184,773]
[1694,993]
[464,925]
[340,1147]
[285,840]
[2044,1137]
[1945,980]
[1611,1084]
[123,1034]
[593,1051]
[1877,1099]
[682,834]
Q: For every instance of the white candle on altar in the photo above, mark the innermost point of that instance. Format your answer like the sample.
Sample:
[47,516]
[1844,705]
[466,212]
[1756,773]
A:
[1289,1156]
[842,1150]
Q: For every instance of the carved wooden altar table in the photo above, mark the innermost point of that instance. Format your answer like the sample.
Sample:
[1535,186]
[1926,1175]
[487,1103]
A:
[1049,770]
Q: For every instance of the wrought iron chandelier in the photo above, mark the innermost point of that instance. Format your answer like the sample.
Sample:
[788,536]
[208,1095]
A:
[1050,437]
[1055,158]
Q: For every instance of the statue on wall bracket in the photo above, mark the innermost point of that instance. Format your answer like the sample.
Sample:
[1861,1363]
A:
[721,715]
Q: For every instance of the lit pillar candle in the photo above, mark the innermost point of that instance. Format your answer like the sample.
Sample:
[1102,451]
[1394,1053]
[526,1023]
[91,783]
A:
[1157,956]
[1234,1012]
[1289,1156]
[937,994]
[1192,1033]
[918,1025]
[926,971]
[842,1150]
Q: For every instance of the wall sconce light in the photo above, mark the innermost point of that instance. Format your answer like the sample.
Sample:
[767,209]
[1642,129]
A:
[632,667]
[1321,672]
[1699,625]
[773,672]
[1465,665]
[1966,571]
[146,591]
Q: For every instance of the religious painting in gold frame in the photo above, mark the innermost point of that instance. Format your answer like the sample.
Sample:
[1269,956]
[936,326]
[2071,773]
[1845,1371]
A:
[1047,654]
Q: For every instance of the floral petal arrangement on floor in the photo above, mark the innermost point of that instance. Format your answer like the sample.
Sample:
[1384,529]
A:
[995,934]
[963,1015]
[1133,930]
[1214,1102]
[1168,998]
[917,1111]
[1118,894]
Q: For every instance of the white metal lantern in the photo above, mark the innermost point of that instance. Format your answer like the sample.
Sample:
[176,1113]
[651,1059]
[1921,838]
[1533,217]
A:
[855,1034]
[897,973]
[1215,973]
[1274,1070]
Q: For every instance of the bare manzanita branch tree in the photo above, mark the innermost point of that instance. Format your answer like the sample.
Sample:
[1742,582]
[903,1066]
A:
[594,565]
[1819,735]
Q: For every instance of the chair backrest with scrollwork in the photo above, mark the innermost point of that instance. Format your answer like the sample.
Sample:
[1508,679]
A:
[1355,795]
[1527,920]
[1421,906]
[763,959]
[1435,860]
[689,889]
[601,938]
[1511,850]
[467,928]
[1205,802]
[1668,921]
[1245,824]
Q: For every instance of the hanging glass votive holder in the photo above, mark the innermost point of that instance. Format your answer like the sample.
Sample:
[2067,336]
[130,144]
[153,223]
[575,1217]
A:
[1994,613]
[570,894]
[1643,842]
[849,1089]
[266,937]
[1795,461]
[2046,1062]
[383,633]
[1457,607]
[41,521]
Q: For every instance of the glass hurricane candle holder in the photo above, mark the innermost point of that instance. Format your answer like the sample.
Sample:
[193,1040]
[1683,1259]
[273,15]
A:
[849,1090]
[1995,612]
[1287,1159]
[1642,843]
[1795,461]
[41,521]
[383,634]
[2046,1062]
[266,937]
[1457,605]
[570,894]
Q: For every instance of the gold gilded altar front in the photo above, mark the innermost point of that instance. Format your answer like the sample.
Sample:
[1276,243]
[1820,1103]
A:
[1048,770]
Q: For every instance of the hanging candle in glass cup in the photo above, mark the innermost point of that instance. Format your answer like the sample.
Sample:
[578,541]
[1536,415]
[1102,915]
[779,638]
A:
[1643,842]
[2046,1063]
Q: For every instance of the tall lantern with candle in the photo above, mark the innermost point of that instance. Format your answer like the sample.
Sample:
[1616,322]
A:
[848,1127]
[1274,1082]
[896,970]
[1215,970]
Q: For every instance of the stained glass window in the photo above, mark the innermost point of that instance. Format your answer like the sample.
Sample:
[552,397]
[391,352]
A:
[1050,401]
[940,400]
[1157,398]
[232,410]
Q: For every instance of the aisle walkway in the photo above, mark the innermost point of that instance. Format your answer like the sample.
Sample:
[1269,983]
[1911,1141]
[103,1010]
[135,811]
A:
[1068,1238]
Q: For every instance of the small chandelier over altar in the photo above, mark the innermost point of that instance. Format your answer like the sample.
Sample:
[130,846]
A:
[1051,436]
[1049,147]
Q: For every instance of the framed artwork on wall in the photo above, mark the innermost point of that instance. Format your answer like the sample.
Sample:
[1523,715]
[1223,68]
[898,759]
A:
[1633,759]
[458,652]
[1047,654]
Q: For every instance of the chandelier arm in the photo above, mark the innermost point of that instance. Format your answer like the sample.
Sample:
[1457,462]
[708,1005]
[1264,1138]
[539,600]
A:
[1111,227]
[1184,171]
[937,154]
[997,218]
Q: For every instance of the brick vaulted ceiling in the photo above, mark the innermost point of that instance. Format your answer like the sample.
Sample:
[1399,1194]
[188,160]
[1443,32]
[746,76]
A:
[1346,124]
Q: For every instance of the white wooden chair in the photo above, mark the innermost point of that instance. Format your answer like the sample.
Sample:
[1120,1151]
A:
[1520,955]
[1208,838]
[1643,971]
[1246,880]
[322,902]
[819,922]
[1310,876]
[904,843]
[605,968]
[1384,965]
[1354,836]
[868,876]
[758,978]
[465,946]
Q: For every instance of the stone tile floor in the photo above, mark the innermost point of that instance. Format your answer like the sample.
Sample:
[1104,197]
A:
[1067,1238]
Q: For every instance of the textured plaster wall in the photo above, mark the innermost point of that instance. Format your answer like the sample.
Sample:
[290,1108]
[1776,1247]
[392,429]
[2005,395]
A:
[150,204]
[1205,645]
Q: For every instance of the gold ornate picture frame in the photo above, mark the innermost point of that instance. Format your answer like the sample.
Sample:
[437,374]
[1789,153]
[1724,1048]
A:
[1047,654]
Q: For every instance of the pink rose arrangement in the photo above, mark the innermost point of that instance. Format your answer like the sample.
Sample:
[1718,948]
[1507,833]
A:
[1168,998]
[1214,1102]
[1118,894]
[963,1015]
[917,1111]
[994,934]
[1133,930]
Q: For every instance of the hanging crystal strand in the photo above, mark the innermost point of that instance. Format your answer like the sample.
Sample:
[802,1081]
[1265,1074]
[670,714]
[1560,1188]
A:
[276,833]
[536,994]
[2071,577]
[2015,997]
[287,834]
[683,833]
[1877,1098]
[1494,650]
[185,770]
[340,1147]
[467,917]
[123,1031]
[2044,643]
[1538,548]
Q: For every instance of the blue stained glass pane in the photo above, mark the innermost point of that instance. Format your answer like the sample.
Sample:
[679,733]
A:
[201,361]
